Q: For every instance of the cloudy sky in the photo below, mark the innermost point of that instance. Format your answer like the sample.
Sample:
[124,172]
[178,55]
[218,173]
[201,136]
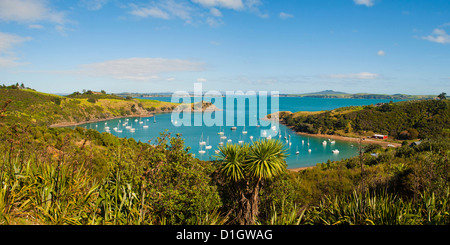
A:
[291,46]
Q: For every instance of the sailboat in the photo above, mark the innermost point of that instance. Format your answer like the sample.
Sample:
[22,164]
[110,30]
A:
[201,140]
[220,131]
[208,147]
[243,131]
[324,142]
[335,151]
[201,151]
[154,119]
[297,152]
[145,125]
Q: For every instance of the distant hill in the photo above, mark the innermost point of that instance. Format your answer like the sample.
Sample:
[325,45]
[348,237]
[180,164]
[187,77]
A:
[326,92]
[337,94]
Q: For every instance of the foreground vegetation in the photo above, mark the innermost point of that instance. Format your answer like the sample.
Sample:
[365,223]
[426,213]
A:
[63,176]
[83,177]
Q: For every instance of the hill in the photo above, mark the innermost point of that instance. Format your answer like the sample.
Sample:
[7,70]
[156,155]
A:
[27,106]
[405,120]
[32,107]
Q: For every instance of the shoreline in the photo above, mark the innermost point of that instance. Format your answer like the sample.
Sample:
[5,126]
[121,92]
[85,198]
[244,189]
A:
[71,124]
[364,139]
[300,169]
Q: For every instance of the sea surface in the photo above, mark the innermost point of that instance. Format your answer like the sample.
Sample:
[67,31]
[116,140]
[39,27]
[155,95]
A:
[303,151]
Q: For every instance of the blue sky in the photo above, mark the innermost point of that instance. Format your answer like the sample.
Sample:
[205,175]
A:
[290,46]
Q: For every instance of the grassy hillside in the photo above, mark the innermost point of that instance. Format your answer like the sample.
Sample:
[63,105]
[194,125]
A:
[402,120]
[32,107]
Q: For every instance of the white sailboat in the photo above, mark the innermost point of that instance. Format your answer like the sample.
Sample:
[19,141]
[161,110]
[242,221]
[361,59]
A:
[201,140]
[145,125]
[297,152]
[154,119]
[208,147]
[324,142]
[243,131]
[335,151]
[220,131]
[201,151]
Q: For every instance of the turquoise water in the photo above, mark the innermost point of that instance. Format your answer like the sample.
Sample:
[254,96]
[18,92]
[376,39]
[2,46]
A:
[194,134]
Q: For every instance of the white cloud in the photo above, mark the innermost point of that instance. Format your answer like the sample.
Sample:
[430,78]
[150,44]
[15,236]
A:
[168,9]
[29,11]
[368,3]
[213,22]
[150,12]
[381,53]
[140,69]
[285,16]
[93,4]
[35,26]
[216,12]
[7,44]
[230,4]
[438,36]
[361,75]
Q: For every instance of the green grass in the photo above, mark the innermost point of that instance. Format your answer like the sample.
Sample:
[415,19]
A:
[31,107]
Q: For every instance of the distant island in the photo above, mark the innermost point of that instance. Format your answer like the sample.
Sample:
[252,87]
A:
[321,94]
[343,95]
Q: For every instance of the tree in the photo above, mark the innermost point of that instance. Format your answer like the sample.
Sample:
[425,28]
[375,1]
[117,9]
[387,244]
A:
[3,108]
[246,168]
[442,96]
